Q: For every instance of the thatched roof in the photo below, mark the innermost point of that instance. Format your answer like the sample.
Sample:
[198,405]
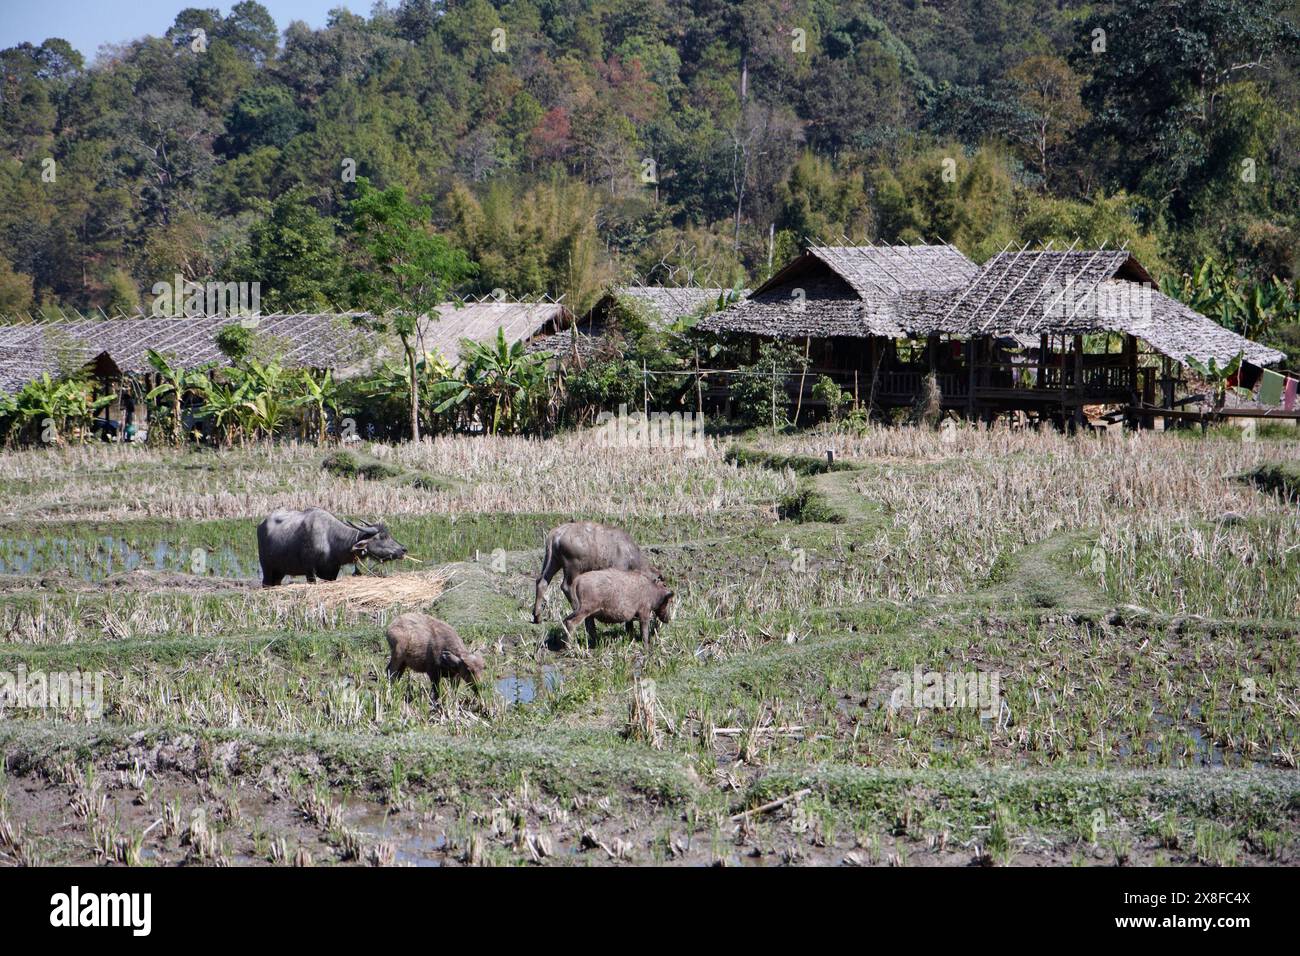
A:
[663,305]
[913,291]
[479,321]
[1178,331]
[300,340]
[343,341]
[18,366]
[669,304]
[1032,292]
[854,291]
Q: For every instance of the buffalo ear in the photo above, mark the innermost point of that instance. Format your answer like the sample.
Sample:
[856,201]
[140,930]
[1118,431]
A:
[449,660]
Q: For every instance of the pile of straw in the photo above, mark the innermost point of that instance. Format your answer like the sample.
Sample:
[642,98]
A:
[409,589]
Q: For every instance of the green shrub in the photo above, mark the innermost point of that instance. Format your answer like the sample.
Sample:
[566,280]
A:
[347,464]
[752,391]
[1282,478]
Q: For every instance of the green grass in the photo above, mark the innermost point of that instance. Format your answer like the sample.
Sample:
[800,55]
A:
[92,550]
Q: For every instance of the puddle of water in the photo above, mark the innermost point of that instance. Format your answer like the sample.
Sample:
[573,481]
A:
[523,688]
[99,558]
[412,849]
[1205,751]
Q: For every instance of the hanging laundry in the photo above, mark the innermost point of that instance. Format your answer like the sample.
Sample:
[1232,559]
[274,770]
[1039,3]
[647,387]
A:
[1288,394]
[1270,388]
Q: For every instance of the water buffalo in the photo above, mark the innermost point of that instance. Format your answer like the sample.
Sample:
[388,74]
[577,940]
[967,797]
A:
[619,597]
[427,645]
[582,546]
[316,544]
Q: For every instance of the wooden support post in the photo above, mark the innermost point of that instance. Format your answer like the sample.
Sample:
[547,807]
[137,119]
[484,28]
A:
[774,398]
[970,378]
[1065,423]
[1131,353]
[803,375]
[699,389]
[1078,380]
[872,346]
[1167,386]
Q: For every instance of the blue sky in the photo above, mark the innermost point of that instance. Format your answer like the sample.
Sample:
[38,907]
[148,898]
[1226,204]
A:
[88,23]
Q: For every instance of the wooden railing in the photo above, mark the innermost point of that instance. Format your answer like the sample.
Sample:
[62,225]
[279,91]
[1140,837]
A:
[1105,378]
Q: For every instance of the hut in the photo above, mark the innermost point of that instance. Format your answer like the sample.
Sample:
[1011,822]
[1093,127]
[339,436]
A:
[851,308]
[1092,329]
[114,353]
[298,340]
[1047,332]
[479,319]
[663,306]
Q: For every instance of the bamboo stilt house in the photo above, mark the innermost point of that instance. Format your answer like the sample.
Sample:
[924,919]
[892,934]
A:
[1093,330]
[1040,331]
[851,307]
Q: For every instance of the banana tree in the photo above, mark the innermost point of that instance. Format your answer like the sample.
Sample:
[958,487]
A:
[40,402]
[1254,309]
[51,404]
[223,402]
[1217,377]
[267,413]
[8,416]
[266,404]
[503,375]
[321,394]
[176,382]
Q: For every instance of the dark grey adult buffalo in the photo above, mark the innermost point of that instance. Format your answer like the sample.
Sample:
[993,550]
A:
[581,546]
[316,544]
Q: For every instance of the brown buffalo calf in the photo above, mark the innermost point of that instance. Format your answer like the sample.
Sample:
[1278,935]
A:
[619,597]
[427,645]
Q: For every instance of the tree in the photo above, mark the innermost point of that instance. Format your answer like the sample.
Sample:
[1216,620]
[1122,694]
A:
[250,29]
[1049,92]
[267,402]
[225,403]
[321,395]
[1157,89]
[294,253]
[15,289]
[501,376]
[177,382]
[1216,376]
[403,269]
[53,403]
[262,116]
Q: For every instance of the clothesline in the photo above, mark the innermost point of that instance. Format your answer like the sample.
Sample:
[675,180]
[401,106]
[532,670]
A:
[725,371]
[1277,389]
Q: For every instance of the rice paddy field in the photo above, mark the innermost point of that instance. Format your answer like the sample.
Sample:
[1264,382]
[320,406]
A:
[964,647]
